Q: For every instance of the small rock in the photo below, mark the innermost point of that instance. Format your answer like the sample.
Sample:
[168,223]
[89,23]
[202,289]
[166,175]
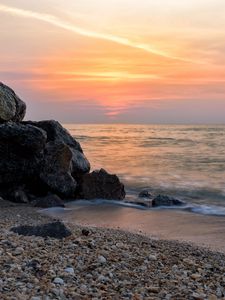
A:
[195,276]
[198,296]
[58,280]
[85,232]
[162,200]
[152,257]
[102,259]
[212,297]
[153,289]
[18,251]
[55,229]
[144,194]
[83,287]
[102,278]
[69,270]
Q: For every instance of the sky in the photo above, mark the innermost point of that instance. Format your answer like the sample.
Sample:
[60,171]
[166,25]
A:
[116,61]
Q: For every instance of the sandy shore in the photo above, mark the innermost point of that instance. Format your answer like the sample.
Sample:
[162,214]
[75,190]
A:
[105,264]
[171,224]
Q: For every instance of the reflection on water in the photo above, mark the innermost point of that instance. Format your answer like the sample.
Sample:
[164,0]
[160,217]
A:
[184,161]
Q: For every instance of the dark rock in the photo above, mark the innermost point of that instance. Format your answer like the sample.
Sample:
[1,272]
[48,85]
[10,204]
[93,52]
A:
[21,152]
[19,195]
[85,232]
[162,200]
[100,184]
[55,229]
[56,169]
[144,194]
[48,201]
[12,108]
[56,133]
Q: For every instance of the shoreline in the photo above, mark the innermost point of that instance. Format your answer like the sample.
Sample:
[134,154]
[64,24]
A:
[133,266]
[165,224]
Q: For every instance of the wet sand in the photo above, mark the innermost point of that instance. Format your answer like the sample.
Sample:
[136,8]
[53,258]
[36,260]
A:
[202,230]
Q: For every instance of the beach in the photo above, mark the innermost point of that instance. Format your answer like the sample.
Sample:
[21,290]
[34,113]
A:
[171,224]
[102,263]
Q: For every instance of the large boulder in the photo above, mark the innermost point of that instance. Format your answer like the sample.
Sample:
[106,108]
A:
[21,152]
[12,108]
[56,167]
[100,184]
[56,133]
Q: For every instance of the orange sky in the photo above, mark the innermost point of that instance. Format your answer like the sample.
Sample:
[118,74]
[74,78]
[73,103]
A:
[116,61]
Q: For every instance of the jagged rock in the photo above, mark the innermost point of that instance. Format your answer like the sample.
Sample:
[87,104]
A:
[55,229]
[144,194]
[12,108]
[56,169]
[21,150]
[56,133]
[48,201]
[162,200]
[100,184]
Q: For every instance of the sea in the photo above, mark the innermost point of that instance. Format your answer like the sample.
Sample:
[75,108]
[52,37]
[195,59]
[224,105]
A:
[186,162]
[183,161]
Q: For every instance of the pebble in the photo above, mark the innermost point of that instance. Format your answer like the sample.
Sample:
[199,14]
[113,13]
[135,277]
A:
[152,257]
[69,270]
[153,289]
[195,276]
[212,297]
[58,280]
[105,264]
[102,259]
[18,251]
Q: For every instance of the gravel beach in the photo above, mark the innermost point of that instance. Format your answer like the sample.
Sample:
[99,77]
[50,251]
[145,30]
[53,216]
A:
[96,263]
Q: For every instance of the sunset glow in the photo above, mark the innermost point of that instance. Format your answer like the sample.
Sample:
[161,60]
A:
[113,59]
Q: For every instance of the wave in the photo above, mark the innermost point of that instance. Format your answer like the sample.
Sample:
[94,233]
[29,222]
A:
[212,210]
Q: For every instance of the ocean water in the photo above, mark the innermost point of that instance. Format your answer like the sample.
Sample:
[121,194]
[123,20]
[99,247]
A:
[184,161]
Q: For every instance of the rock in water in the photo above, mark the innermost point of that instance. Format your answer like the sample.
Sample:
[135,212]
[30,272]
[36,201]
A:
[48,201]
[144,194]
[162,200]
[12,108]
[56,133]
[100,184]
[56,169]
[55,229]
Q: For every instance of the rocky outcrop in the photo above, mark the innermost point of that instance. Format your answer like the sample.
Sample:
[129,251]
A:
[100,184]
[162,200]
[55,172]
[42,158]
[21,152]
[12,108]
[56,133]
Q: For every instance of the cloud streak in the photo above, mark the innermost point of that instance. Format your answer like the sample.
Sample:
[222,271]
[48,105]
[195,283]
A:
[55,21]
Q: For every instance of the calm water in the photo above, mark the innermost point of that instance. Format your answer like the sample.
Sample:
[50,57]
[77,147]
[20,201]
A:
[187,162]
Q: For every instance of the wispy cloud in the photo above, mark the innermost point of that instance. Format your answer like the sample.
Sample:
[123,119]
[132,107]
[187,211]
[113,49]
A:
[53,20]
